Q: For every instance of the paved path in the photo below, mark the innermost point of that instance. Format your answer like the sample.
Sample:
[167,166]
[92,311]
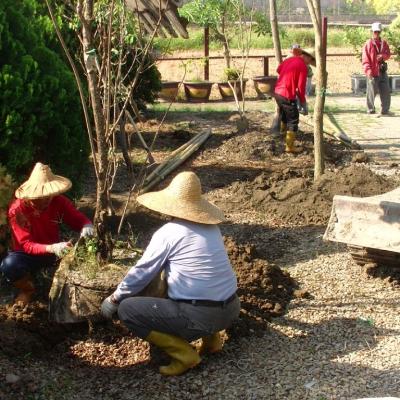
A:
[378,135]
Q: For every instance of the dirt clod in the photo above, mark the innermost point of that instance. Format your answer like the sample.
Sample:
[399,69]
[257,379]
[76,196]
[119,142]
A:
[293,197]
[264,289]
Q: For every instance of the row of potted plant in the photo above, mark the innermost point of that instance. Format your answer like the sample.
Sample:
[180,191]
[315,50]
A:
[199,91]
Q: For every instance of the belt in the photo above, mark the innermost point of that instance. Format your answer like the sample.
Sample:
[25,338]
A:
[208,303]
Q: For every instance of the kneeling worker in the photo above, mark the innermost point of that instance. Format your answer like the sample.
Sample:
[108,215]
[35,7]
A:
[202,286]
[291,85]
[34,218]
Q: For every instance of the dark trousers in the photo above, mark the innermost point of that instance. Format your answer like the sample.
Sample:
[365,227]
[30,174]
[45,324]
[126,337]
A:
[378,84]
[18,264]
[288,112]
[144,314]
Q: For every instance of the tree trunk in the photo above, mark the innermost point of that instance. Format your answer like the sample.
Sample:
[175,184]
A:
[100,219]
[221,36]
[276,122]
[314,7]
[275,31]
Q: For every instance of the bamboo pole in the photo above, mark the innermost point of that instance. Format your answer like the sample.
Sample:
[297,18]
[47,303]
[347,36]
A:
[172,156]
[144,144]
[342,138]
[178,160]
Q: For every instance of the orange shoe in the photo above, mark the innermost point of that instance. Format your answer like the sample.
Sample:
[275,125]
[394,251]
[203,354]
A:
[26,290]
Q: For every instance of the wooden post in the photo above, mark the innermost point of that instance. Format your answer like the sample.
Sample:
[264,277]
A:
[206,53]
[324,37]
[266,65]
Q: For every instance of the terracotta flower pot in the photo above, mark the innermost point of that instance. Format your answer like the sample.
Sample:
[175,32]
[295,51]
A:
[226,89]
[264,86]
[197,92]
[169,90]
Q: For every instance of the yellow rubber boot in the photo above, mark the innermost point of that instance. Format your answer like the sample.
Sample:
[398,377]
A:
[290,147]
[182,353]
[26,290]
[283,128]
[211,344]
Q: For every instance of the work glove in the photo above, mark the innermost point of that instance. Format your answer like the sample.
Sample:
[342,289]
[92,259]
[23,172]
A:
[109,307]
[87,230]
[60,249]
[303,108]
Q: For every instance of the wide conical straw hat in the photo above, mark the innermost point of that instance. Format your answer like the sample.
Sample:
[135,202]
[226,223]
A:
[42,183]
[182,198]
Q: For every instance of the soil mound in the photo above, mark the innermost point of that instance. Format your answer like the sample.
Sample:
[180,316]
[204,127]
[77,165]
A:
[26,330]
[264,289]
[292,197]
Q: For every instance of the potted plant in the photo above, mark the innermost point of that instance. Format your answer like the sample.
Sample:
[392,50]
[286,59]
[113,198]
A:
[169,90]
[197,90]
[264,85]
[231,83]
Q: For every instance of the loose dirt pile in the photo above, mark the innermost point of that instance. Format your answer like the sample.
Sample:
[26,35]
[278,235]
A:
[264,289]
[26,330]
[291,196]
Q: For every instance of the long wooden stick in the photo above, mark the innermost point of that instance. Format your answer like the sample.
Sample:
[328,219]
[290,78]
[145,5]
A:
[178,160]
[172,156]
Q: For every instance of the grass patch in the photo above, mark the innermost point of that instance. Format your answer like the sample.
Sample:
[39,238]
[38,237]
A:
[302,36]
[197,108]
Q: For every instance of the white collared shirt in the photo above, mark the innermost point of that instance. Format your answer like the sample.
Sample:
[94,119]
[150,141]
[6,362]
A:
[195,261]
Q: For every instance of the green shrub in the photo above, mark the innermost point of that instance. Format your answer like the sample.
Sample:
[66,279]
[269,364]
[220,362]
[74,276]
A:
[40,112]
[356,37]
[393,37]
[7,188]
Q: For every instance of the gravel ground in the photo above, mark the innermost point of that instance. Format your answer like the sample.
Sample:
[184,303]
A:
[341,341]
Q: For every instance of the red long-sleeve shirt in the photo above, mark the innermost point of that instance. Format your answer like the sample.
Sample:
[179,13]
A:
[292,79]
[370,53]
[33,230]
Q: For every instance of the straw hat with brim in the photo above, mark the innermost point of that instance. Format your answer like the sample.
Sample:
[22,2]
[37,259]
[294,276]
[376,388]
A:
[182,199]
[311,54]
[42,183]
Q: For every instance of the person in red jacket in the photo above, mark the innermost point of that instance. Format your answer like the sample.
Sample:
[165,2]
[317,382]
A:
[34,218]
[375,53]
[291,85]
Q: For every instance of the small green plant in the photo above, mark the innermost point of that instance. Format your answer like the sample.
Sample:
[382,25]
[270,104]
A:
[367,321]
[85,257]
[195,69]
[231,74]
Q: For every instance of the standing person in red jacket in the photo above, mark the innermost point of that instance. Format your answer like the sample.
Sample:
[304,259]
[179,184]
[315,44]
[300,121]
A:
[375,53]
[291,85]
[34,219]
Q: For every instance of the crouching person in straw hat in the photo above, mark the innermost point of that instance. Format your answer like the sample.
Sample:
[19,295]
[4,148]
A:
[34,218]
[202,286]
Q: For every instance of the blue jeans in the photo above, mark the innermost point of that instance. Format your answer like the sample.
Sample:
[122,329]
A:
[18,264]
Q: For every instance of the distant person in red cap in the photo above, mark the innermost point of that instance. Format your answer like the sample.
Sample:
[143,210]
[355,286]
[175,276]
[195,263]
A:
[291,85]
[375,53]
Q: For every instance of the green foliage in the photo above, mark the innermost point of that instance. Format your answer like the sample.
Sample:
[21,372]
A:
[7,188]
[288,36]
[226,20]
[40,113]
[262,25]
[126,46]
[231,74]
[304,37]
[393,38]
[85,257]
[356,37]
[206,12]
[384,6]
